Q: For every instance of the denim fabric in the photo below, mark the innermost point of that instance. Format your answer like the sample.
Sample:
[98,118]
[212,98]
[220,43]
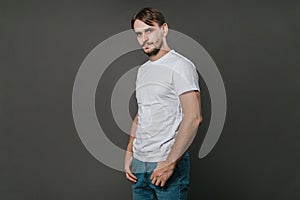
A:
[176,188]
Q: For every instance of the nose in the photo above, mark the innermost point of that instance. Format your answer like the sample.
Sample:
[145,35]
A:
[145,37]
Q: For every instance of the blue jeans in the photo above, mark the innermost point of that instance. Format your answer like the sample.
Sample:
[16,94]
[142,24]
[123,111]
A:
[176,187]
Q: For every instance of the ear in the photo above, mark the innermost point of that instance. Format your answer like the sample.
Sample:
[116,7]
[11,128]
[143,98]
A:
[165,29]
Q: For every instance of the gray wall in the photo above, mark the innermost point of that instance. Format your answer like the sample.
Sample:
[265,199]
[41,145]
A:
[254,44]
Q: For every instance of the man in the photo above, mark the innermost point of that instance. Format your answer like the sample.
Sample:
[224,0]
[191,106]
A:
[168,97]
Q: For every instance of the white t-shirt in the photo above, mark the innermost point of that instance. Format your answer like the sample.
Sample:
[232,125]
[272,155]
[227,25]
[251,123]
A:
[158,86]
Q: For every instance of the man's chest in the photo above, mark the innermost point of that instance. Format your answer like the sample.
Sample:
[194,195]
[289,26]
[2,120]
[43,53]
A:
[154,84]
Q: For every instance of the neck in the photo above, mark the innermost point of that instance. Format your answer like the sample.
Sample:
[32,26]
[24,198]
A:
[163,51]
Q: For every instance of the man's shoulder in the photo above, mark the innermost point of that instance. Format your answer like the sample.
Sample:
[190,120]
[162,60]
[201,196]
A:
[143,65]
[174,60]
[181,62]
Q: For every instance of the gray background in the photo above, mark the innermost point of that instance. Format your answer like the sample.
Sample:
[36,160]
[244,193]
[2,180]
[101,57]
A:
[254,44]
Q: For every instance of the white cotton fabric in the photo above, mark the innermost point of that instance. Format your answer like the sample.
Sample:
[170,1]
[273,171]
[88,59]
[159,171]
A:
[158,86]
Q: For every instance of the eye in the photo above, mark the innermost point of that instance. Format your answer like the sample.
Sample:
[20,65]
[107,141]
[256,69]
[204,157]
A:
[138,34]
[149,30]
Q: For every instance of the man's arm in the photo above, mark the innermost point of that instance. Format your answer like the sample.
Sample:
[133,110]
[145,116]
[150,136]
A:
[191,106]
[129,151]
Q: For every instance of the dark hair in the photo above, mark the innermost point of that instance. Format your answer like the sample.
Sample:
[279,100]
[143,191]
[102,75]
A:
[149,16]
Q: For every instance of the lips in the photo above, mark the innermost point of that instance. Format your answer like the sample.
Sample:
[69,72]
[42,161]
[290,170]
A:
[147,44]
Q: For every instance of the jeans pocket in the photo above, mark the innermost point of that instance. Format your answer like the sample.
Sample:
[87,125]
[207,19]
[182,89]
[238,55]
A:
[132,165]
[137,166]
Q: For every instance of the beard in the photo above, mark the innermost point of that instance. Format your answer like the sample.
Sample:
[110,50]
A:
[154,51]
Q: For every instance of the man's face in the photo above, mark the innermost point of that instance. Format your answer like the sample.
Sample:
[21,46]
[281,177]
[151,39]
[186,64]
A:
[149,37]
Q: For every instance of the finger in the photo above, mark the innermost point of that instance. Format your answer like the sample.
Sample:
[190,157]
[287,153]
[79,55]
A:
[153,181]
[131,177]
[162,184]
[157,182]
[152,176]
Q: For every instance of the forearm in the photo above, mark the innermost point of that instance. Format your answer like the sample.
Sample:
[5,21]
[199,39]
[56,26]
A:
[132,134]
[191,106]
[185,136]
[129,152]
[130,144]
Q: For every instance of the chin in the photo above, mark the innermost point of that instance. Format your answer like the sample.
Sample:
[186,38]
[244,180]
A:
[151,52]
[148,50]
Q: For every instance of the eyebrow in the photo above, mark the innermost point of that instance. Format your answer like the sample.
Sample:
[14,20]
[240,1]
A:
[147,29]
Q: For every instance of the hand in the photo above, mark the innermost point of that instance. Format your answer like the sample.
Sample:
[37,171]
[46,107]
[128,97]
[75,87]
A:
[129,175]
[162,173]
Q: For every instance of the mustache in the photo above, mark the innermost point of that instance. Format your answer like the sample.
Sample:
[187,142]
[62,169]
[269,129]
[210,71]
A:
[147,43]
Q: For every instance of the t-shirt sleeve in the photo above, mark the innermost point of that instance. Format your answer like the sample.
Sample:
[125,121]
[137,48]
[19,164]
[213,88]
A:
[185,78]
